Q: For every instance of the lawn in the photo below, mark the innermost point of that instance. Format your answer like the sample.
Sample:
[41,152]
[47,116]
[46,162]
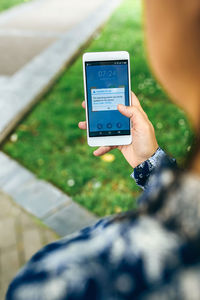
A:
[49,143]
[5,4]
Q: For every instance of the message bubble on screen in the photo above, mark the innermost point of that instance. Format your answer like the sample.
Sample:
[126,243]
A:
[107,99]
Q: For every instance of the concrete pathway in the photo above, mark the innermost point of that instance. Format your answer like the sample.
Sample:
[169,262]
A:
[27,30]
[37,41]
[41,199]
[21,235]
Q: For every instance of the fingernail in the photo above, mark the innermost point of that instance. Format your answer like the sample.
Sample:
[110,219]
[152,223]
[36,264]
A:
[121,106]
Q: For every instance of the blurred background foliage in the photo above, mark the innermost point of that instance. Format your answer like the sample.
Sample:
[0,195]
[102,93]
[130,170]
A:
[5,4]
[49,143]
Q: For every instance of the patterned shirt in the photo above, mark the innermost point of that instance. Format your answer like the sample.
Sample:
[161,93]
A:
[150,253]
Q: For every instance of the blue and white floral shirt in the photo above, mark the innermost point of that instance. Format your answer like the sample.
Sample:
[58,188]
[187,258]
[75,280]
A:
[151,253]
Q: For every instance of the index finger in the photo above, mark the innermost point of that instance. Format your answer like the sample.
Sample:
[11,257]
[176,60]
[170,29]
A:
[83,104]
[136,103]
[135,100]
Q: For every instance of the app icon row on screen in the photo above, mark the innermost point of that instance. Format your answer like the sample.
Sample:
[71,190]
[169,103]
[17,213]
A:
[109,125]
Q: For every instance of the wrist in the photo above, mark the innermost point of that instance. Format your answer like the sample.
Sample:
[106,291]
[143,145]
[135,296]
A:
[143,170]
[148,156]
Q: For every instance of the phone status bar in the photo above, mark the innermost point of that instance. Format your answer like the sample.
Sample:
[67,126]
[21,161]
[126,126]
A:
[107,62]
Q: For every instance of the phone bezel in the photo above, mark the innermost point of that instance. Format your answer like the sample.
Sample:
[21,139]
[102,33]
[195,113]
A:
[106,56]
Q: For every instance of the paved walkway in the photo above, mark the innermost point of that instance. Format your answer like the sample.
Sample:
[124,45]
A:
[42,199]
[21,235]
[38,41]
[27,30]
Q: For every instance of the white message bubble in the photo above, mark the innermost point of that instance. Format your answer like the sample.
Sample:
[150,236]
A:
[107,99]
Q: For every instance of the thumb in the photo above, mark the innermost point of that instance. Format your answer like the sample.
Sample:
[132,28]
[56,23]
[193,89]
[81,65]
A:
[127,111]
[132,112]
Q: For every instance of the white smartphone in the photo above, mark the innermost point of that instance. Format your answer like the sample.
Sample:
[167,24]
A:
[107,84]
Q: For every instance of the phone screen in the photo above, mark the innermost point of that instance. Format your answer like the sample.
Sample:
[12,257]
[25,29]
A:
[107,84]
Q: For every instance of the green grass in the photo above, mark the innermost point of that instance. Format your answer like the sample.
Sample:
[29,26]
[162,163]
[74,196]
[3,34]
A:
[5,4]
[50,144]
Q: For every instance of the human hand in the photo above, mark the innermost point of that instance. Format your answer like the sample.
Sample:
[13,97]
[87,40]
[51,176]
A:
[144,142]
